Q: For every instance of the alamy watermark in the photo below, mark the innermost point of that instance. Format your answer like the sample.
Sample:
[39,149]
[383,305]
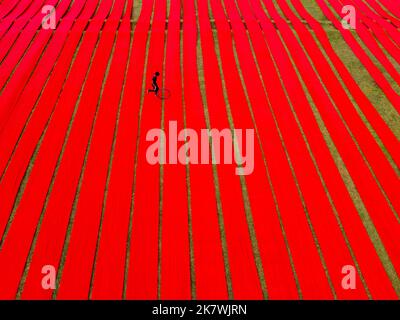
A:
[49,278]
[189,146]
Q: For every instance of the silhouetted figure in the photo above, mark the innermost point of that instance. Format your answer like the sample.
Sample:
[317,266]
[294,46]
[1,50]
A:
[154,83]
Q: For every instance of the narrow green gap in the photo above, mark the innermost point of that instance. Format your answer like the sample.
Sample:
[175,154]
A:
[137,9]
[161,171]
[200,68]
[188,185]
